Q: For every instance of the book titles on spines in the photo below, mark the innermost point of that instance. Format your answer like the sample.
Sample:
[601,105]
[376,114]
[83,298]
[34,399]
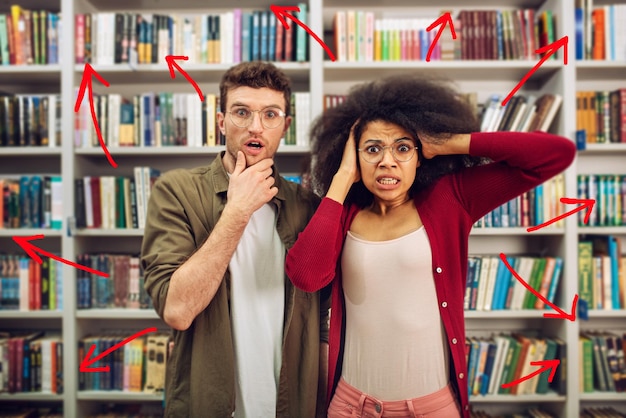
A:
[138,366]
[490,285]
[30,120]
[31,201]
[600,117]
[108,38]
[599,30]
[30,286]
[362,36]
[121,286]
[29,36]
[504,358]
[601,356]
[601,272]
[31,361]
[114,202]
[169,119]
[609,193]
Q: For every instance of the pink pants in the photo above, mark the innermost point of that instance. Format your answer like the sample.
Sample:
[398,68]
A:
[351,402]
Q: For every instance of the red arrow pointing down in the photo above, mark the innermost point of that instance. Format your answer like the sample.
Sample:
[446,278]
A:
[561,313]
[86,362]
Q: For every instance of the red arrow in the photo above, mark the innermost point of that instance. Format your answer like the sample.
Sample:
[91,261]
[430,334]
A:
[442,20]
[171,64]
[282,12]
[86,83]
[32,251]
[549,50]
[86,362]
[586,204]
[545,366]
[561,314]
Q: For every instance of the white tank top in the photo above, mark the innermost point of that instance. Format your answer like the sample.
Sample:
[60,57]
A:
[395,345]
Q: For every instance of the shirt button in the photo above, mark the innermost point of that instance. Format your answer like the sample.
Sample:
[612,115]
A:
[461,375]
[454,341]
[377,407]
[439,270]
[444,304]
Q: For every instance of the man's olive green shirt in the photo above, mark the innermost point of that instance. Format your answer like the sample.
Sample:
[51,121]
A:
[200,379]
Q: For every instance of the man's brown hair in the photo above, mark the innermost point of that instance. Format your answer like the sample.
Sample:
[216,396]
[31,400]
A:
[255,74]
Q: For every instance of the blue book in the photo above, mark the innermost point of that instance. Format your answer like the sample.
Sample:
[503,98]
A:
[556,277]
[246,31]
[264,35]
[271,40]
[579,35]
[255,50]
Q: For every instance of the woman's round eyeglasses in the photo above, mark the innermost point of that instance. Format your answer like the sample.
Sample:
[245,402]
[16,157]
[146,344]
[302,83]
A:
[401,151]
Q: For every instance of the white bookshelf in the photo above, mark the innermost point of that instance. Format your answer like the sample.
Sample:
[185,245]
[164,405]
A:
[320,76]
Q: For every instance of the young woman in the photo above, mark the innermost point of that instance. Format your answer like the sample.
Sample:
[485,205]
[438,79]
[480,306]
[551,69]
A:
[405,175]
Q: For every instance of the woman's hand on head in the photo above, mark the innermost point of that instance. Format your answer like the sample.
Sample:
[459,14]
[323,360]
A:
[349,166]
[444,144]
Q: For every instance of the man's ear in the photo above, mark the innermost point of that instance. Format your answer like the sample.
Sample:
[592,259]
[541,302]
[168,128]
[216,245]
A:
[288,120]
[220,122]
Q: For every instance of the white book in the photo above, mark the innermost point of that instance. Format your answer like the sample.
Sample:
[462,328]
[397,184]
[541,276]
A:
[519,291]
[24,280]
[341,47]
[140,197]
[485,265]
[502,344]
[545,126]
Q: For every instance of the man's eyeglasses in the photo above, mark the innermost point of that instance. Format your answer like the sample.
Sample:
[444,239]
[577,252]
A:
[402,151]
[270,117]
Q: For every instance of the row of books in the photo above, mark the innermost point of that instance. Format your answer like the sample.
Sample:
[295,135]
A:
[601,272]
[31,361]
[480,35]
[491,286]
[600,117]
[597,32]
[121,288]
[138,366]
[533,207]
[522,113]
[500,359]
[111,202]
[30,286]
[609,192]
[601,412]
[29,36]
[30,120]
[534,412]
[232,36]
[601,361]
[169,119]
[31,202]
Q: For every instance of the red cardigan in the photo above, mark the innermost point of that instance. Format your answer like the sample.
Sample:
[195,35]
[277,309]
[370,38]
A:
[448,209]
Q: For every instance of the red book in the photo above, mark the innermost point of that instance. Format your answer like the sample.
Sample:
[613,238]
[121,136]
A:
[95,198]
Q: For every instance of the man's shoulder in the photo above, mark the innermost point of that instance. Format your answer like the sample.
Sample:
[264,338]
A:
[185,175]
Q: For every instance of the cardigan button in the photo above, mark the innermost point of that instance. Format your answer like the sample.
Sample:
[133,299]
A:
[444,304]
[438,269]
[461,375]
[454,341]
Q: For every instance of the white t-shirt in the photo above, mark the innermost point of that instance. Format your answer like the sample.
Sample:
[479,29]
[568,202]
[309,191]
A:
[257,314]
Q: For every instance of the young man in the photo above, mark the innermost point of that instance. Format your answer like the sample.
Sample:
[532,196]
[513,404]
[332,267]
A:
[246,342]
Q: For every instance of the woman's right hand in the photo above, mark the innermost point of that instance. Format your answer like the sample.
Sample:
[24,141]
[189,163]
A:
[349,166]
[348,172]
